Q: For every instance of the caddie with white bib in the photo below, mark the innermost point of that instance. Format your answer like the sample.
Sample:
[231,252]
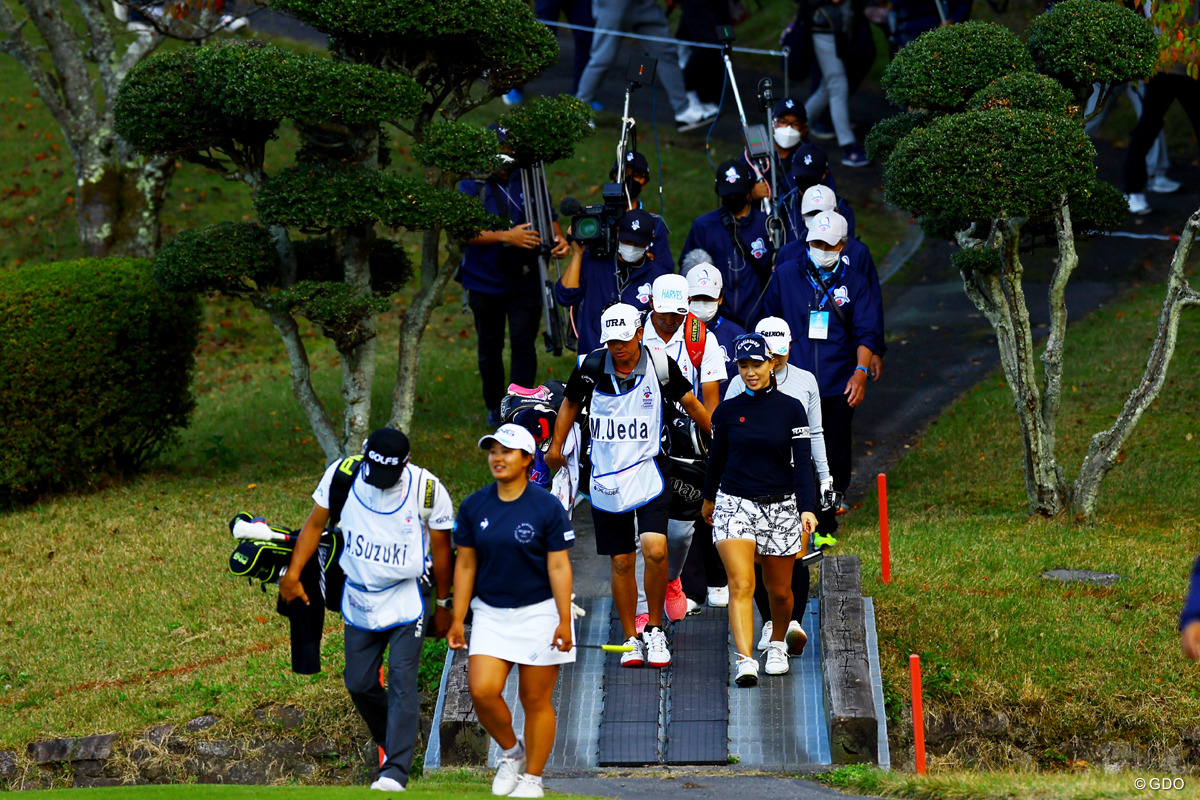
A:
[627,385]
[396,522]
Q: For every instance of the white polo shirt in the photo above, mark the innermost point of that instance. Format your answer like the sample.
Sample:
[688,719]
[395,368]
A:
[712,363]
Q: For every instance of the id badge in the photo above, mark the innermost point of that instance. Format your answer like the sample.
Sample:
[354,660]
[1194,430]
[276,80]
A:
[818,324]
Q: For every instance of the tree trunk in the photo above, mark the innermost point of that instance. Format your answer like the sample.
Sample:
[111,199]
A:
[414,321]
[1106,445]
[1052,356]
[358,361]
[1001,298]
[119,201]
[302,388]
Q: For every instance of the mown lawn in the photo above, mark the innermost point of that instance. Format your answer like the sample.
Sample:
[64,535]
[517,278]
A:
[997,641]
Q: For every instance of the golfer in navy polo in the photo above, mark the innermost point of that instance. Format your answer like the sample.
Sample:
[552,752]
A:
[514,574]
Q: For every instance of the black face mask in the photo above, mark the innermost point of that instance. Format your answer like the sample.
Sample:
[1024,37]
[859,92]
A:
[633,187]
[734,203]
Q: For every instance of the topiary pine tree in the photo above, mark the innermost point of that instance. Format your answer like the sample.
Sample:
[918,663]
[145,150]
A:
[415,66]
[990,153]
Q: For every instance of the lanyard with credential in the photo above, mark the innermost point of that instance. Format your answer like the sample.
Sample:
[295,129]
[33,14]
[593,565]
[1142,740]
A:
[820,288]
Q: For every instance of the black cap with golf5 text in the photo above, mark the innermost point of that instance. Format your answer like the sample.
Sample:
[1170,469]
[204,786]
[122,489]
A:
[384,457]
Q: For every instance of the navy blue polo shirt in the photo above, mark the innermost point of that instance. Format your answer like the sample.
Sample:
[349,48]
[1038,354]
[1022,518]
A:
[511,540]
[743,279]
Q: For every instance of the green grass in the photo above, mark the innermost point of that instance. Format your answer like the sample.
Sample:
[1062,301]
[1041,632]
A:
[1078,784]
[995,638]
[446,785]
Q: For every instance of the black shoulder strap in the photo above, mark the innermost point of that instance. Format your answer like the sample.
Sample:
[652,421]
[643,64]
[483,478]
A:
[593,365]
[841,315]
[731,228]
[339,488]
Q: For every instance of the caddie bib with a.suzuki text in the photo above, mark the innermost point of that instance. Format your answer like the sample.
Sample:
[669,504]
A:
[385,552]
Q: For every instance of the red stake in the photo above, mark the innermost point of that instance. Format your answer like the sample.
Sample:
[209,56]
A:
[382,752]
[885,554]
[914,669]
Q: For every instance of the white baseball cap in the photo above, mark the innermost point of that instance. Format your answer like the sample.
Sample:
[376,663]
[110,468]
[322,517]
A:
[619,321]
[670,294]
[818,198]
[777,333]
[829,227]
[514,437]
[704,280]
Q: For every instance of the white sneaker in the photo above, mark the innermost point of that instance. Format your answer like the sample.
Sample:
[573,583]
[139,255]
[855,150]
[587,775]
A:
[693,117]
[747,672]
[765,639]
[777,659]
[658,654]
[718,596]
[528,786]
[693,607]
[795,638]
[1137,203]
[635,657]
[387,785]
[1161,184]
[508,772]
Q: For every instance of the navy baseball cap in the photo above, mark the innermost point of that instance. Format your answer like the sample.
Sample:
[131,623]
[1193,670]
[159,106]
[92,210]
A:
[500,131]
[635,163]
[752,346]
[734,177]
[809,161]
[636,227]
[789,106]
[385,454]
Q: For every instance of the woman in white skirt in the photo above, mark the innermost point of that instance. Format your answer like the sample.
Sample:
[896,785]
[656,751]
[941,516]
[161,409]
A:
[514,574]
[760,498]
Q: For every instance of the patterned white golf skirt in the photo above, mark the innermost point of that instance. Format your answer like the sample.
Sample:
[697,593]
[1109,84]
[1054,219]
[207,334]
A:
[521,635]
[775,528]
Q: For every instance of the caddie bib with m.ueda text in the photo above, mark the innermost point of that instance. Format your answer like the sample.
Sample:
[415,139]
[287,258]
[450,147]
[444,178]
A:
[385,552]
[625,430]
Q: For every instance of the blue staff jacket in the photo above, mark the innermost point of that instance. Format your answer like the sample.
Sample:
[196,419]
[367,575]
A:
[478,271]
[792,295]
[743,286]
[860,260]
[1191,606]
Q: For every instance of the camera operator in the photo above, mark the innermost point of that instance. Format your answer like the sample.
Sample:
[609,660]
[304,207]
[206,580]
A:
[789,131]
[735,236]
[834,315]
[590,284]
[499,273]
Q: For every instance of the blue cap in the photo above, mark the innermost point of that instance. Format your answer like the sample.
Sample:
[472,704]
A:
[809,161]
[789,106]
[500,131]
[752,346]
[734,177]
[636,227]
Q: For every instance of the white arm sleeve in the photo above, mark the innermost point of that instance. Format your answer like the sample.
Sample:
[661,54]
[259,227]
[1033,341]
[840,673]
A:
[736,386]
[712,364]
[813,406]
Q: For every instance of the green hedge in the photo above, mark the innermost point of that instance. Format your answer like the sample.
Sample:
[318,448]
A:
[96,365]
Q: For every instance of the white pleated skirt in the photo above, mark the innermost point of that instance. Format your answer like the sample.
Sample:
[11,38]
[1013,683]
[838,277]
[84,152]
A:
[521,635]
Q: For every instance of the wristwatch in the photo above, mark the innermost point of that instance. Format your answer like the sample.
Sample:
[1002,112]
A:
[447,602]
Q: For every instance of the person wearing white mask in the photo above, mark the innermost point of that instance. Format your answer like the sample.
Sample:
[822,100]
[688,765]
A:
[789,130]
[821,199]
[589,284]
[800,384]
[836,321]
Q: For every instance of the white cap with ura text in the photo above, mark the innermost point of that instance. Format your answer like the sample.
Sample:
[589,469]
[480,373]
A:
[619,321]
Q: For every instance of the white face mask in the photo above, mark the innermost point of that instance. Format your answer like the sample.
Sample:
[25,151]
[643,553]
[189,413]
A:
[825,259]
[787,137]
[630,253]
[704,309]
[506,160]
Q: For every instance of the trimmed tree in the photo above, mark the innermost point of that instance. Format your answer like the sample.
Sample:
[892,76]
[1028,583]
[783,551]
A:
[76,54]
[415,67]
[992,154]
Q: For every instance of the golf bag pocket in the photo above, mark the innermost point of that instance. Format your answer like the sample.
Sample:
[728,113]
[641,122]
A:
[261,561]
